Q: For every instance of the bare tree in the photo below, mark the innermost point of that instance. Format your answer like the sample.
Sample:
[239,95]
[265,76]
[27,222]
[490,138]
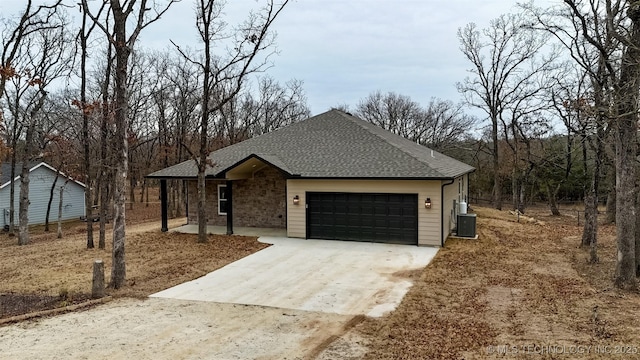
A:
[592,108]
[123,42]
[440,125]
[105,174]
[626,136]
[569,102]
[507,60]
[445,125]
[32,19]
[86,108]
[254,114]
[43,58]
[223,76]
[60,202]
[394,112]
[176,98]
[604,38]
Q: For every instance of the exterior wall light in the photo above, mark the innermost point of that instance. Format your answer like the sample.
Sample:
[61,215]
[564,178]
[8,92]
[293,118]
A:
[296,200]
[427,203]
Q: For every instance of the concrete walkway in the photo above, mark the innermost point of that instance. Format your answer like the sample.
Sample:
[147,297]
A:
[340,277]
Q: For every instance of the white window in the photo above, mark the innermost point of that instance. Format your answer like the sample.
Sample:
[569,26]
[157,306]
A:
[222,199]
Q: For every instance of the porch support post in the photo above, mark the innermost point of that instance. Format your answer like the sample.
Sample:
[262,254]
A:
[229,207]
[164,205]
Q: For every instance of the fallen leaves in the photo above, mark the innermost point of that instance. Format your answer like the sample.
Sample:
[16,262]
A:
[49,267]
[518,284]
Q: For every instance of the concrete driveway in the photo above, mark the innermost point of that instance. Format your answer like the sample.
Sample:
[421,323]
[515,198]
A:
[310,291]
[341,277]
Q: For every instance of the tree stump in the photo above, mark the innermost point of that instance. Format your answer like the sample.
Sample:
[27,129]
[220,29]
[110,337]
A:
[97,289]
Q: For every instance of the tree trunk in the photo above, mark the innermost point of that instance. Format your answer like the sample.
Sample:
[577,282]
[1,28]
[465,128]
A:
[103,180]
[611,202]
[23,212]
[144,190]
[51,192]
[590,229]
[637,233]
[552,193]
[497,186]
[522,197]
[122,50]
[104,207]
[176,200]
[202,209]
[60,203]
[23,215]
[132,192]
[626,145]
[514,190]
[203,152]
[12,195]
[88,205]
[625,204]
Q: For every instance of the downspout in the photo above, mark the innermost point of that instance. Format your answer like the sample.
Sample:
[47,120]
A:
[442,211]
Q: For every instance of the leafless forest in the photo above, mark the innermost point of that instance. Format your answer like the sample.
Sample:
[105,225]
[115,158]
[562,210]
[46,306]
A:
[557,89]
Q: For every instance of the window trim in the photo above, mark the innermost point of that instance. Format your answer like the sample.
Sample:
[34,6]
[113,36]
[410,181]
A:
[220,199]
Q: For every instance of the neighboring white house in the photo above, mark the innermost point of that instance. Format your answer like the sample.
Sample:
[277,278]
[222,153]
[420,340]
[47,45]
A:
[41,178]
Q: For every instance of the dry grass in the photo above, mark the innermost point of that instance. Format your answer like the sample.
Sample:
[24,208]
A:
[519,284]
[155,260]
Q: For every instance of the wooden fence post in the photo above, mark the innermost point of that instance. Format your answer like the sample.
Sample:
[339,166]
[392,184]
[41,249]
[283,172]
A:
[97,288]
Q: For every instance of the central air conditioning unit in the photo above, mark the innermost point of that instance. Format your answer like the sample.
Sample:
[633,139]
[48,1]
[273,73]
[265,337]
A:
[466,225]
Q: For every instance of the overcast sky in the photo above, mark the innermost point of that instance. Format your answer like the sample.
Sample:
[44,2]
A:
[345,49]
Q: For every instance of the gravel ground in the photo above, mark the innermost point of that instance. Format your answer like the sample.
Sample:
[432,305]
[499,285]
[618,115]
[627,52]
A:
[173,329]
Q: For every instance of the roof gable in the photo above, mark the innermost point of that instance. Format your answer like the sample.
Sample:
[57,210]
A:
[5,175]
[332,145]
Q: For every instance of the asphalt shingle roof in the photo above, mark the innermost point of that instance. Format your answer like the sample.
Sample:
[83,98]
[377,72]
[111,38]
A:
[333,144]
[5,170]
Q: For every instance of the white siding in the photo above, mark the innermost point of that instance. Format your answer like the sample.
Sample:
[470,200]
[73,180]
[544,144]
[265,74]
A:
[428,219]
[40,183]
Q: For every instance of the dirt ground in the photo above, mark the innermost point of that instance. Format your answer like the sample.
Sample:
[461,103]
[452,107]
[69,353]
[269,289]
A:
[134,326]
[521,290]
[53,272]
[172,329]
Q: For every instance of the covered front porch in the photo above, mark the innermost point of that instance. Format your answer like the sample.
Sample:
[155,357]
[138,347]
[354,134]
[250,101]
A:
[249,195]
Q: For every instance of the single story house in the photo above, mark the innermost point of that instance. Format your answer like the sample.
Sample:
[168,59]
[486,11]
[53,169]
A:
[332,176]
[41,179]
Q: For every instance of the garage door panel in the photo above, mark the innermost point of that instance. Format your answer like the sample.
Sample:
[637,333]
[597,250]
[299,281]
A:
[363,217]
[366,210]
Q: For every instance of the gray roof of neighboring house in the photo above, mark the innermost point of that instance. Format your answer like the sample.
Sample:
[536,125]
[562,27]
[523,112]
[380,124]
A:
[5,170]
[333,144]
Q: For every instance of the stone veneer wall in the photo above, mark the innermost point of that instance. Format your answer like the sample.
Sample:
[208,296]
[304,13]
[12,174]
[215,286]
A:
[211,204]
[257,202]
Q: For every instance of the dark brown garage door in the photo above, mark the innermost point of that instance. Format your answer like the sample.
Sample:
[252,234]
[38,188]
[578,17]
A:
[386,218]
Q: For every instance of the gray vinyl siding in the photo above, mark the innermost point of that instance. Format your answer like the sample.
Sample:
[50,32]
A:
[40,183]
